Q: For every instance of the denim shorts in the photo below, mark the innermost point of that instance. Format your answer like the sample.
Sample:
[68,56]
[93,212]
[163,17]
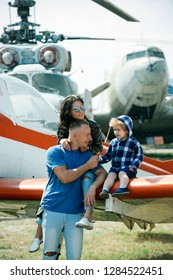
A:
[126,170]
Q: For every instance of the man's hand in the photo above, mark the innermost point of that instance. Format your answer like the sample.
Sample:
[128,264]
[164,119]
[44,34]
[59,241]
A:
[92,162]
[131,169]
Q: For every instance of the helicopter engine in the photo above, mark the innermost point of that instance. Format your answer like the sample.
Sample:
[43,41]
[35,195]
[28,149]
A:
[49,55]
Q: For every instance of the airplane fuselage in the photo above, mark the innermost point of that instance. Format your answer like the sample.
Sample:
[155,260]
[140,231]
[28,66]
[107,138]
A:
[138,89]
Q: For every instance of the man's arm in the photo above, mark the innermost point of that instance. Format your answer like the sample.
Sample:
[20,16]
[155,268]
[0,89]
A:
[90,195]
[69,175]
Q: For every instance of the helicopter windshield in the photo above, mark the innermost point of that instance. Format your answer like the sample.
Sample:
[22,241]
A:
[30,107]
[53,83]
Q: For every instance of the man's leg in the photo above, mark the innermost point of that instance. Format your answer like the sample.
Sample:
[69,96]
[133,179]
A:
[52,225]
[73,237]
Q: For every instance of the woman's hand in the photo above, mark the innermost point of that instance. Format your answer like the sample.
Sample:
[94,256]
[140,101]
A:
[65,144]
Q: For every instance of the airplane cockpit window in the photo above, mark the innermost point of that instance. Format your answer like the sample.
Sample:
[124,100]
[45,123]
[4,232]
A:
[135,55]
[30,107]
[22,77]
[53,83]
[156,53]
[152,52]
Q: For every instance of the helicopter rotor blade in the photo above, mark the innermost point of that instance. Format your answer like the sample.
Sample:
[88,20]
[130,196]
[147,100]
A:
[85,38]
[114,9]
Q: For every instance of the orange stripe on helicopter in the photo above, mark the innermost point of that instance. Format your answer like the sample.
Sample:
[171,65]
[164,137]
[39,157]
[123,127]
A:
[25,135]
[44,141]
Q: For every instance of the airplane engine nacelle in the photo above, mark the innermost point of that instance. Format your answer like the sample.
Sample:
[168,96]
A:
[9,57]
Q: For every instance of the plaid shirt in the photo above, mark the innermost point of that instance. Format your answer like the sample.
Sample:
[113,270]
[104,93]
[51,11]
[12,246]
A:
[124,153]
[96,145]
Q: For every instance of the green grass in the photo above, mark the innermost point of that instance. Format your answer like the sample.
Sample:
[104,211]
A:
[108,241]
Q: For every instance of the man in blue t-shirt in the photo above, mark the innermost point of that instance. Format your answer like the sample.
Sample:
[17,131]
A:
[63,196]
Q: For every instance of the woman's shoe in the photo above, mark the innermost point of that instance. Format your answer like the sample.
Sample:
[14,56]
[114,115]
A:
[84,223]
[35,245]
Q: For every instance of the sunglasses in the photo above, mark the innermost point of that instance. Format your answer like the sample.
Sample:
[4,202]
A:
[78,109]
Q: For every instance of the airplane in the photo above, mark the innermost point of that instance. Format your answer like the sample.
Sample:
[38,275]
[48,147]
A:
[138,88]
[26,132]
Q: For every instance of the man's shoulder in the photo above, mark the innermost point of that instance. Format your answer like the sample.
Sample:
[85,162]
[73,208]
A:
[55,148]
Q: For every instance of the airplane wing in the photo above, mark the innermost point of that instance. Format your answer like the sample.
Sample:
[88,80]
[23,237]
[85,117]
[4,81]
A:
[148,196]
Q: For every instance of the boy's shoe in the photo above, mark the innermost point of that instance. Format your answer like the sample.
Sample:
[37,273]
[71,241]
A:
[35,245]
[84,223]
[104,194]
[120,191]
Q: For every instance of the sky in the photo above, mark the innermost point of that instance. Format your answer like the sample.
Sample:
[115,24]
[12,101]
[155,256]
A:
[92,59]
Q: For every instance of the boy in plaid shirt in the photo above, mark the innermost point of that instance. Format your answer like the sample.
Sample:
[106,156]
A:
[125,153]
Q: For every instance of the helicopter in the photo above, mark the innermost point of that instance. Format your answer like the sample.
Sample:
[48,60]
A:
[36,58]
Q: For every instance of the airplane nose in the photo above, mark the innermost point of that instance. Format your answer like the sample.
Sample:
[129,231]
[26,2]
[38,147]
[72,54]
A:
[152,73]
[150,67]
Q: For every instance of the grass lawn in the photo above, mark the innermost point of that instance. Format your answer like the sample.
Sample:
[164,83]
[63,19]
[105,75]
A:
[108,241]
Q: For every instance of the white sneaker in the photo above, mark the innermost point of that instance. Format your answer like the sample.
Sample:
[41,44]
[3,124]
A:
[35,245]
[84,223]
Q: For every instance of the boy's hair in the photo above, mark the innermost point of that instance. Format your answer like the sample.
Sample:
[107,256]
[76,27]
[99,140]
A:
[77,123]
[116,121]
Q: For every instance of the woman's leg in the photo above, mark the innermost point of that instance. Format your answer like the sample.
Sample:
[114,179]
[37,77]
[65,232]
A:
[35,245]
[86,221]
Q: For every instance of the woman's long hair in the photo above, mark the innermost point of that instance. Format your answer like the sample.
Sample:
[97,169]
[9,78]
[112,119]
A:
[66,107]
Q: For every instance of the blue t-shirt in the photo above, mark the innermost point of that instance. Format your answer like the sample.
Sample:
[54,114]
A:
[60,197]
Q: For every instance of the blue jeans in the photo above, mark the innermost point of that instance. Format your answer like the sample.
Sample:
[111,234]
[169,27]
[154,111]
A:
[53,224]
[87,181]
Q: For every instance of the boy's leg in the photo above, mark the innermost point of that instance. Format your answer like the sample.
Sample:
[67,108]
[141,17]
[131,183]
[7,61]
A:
[111,178]
[123,184]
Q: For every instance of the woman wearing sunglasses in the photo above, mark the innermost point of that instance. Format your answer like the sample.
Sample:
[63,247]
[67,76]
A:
[73,108]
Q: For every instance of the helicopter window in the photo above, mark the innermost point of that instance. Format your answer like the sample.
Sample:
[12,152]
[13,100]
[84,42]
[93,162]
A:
[53,83]
[21,77]
[30,107]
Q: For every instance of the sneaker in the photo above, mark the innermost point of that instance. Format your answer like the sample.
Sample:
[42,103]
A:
[84,223]
[35,245]
[120,191]
[104,194]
